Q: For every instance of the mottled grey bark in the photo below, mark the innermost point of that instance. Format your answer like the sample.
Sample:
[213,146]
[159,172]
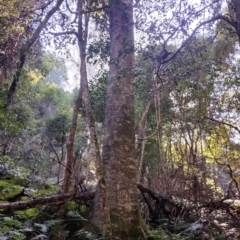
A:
[119,155]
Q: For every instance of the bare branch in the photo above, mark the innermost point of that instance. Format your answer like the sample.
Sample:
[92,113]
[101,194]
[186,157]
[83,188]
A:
[64,33]
[219,17]
[224,123]
[43,24]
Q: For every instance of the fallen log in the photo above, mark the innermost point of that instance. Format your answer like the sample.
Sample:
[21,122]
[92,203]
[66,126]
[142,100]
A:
[163,206]
[176,209]
[49,200]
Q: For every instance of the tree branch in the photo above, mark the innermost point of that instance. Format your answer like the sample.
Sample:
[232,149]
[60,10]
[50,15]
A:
[224,123]
[24,51]
[64,33]
[218,17]
[43,24]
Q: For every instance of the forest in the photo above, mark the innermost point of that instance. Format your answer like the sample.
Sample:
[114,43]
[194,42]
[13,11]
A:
[119,119]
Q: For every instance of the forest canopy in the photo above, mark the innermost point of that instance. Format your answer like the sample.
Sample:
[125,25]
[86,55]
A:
[146,145]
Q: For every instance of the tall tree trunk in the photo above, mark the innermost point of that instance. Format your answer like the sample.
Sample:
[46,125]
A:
[70,144]
[142,140]
[101,207]
[119,156]
[157,103]
[236,4]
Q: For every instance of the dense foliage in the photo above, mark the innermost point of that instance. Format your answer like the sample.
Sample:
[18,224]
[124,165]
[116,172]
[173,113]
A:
[186,88]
